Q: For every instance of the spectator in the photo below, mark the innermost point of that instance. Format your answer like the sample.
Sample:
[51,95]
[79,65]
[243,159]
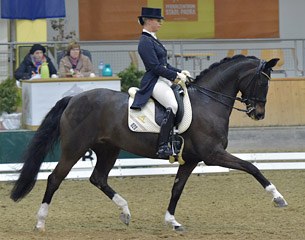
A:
[75,63]
[30,66]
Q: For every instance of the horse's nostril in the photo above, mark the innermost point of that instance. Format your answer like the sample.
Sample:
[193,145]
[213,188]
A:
[260,115]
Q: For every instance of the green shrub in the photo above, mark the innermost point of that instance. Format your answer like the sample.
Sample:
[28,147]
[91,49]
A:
[130,77]
[10,96]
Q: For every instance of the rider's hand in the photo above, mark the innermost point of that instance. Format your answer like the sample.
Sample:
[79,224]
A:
[186,73]
[182,77]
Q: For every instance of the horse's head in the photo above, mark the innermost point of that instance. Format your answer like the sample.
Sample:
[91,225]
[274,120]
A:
[247,74]
[254,89]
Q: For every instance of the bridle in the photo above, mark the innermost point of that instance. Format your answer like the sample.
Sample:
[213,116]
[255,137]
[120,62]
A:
[250,101]
[255,87]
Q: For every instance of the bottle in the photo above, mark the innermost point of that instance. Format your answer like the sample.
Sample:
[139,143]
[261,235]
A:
[100,68]
[107,71]
[44,70]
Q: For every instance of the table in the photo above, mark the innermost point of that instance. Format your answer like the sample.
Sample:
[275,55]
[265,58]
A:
[194,56]
[40,95]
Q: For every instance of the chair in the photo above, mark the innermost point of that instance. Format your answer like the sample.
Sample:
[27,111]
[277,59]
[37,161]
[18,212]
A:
[134,58]
[61,54]
[244,52]
[297,70]
[232,52]
[267,54]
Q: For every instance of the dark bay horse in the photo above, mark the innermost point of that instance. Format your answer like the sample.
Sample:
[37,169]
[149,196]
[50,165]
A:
[97,119]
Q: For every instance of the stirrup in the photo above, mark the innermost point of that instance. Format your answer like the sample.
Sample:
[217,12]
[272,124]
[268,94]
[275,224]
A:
[177,143]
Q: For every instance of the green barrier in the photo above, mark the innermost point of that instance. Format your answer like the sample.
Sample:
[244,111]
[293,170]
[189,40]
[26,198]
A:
[14,143]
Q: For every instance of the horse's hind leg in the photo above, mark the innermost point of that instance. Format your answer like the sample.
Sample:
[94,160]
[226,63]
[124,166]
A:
[66,162]
[227,160]
[106,157]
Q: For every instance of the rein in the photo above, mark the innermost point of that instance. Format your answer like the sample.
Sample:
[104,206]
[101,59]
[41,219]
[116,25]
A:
[205,90]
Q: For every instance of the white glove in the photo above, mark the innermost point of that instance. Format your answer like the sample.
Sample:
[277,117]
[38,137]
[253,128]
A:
[186,73]
[182,77]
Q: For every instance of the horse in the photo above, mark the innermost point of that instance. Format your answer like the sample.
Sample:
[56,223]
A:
[97,120]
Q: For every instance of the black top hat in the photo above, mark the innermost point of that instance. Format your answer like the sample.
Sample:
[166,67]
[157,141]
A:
[150,13]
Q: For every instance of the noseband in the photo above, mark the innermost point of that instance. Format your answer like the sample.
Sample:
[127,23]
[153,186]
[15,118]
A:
[250,101]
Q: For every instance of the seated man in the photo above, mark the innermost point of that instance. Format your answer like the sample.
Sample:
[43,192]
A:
[75,64]
[30,66]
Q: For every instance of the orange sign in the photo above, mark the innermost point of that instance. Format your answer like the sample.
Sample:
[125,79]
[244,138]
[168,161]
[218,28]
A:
[180,10]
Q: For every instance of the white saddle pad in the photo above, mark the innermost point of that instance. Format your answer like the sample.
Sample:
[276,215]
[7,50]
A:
[144,120]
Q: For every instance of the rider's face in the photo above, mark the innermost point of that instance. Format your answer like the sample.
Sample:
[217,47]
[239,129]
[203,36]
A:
[155,24]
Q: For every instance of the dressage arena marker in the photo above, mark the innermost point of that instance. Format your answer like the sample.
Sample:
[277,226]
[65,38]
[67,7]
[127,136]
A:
[148,167]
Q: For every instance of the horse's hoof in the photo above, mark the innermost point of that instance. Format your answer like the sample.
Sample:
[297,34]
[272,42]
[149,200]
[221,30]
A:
[280,202]
[125,218]
[40,230]
[179,228]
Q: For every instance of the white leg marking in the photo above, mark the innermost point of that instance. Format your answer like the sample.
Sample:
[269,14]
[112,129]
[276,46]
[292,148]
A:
[272,189]
[278,199]
[171,220]
[41,216]
[121,203]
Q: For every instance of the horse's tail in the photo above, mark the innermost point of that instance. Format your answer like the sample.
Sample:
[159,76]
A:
[42,142]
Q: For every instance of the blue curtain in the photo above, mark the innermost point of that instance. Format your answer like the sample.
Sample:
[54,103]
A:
[32,9]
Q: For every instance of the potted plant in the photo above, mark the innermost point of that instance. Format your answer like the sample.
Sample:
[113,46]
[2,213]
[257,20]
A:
[10,100]
[130,77]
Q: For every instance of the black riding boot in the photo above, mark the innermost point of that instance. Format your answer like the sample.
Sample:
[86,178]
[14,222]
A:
[167,125]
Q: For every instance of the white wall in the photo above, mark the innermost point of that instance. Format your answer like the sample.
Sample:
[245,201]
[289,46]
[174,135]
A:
[3,30]
[71,20]
[3,48]
[292,19]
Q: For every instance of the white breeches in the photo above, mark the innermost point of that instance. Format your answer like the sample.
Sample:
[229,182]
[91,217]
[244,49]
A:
[164,94]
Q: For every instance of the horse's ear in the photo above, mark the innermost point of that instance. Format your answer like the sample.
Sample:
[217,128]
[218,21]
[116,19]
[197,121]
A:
[271,63]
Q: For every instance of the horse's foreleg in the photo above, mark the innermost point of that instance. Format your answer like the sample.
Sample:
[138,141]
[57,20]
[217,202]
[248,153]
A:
[182,176]
[106,157]
[227,160]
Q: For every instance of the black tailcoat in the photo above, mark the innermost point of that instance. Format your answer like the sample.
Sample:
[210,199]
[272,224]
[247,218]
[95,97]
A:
[154,57]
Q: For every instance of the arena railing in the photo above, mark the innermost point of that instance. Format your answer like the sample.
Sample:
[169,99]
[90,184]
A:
[193,53]
[125,167]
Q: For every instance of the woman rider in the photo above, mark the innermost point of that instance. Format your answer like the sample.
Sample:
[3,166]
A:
[158,77]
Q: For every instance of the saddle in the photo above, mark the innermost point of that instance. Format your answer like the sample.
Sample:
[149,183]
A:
[151,116]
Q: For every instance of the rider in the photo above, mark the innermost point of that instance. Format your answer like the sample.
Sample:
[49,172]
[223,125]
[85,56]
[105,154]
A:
[158,77]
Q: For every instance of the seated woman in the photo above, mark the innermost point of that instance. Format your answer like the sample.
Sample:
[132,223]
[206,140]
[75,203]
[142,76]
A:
[30,66]
[75,64]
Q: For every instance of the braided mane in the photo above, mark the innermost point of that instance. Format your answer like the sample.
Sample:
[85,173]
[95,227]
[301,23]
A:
[225,60]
